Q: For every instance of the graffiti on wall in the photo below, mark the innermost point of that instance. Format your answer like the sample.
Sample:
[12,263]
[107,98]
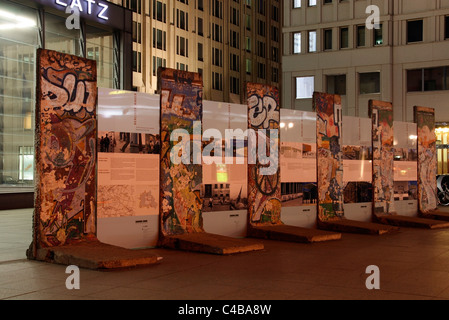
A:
[329,156]
[427,159]
[264,190]
[66,131]
[383,156]
[181,106]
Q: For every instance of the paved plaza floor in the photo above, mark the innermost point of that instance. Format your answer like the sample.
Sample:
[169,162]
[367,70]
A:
[413,264]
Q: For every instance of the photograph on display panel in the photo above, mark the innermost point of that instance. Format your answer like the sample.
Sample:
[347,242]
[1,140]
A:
[298,158]
[298,174]
[357,160]
[128,142]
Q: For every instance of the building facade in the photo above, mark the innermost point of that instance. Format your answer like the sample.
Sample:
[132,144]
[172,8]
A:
[101,31]
[229,42]
[330,46]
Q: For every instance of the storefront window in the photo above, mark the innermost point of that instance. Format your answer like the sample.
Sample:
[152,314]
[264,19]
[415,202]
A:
[100,47]
[59,38]
[20,38]
[18,44]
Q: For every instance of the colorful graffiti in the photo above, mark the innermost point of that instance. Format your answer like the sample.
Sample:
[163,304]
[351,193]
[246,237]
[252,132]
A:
[180,184]
[66,131]
[264,191]
[383,156]
[427,159]
[329,156]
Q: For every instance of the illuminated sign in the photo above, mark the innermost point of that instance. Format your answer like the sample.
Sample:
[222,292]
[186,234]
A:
[87,6]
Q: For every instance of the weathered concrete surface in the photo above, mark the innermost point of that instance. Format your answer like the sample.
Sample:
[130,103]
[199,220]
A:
[436,215]
[96,255]
[292,234]
[412,222]
[210,243]
[352,226]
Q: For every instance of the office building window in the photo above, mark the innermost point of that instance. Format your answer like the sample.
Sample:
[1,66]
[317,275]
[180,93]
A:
[234,62]
[297,42]
[274,74]
[312,41]
[415,32]
[159,39]
[328,39]
[378,36]
[26,163]
[369,82]
[434,79]
[182,46]
[305,86]
[344,38]
[182,20]
[157,63]
[217,57]
[159,11]
[248,67]
[137,61]
[414,80]
[261,70]
[429,79]
[336,84]
[235,85]
[200,52]
[217,81]
[361,36]
[446,29]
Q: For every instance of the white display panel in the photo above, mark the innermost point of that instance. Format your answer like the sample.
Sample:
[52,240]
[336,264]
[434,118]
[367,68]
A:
[225,186]
[222,116]
[128,168]
[298,146]
[405,154]
[357,168]
[357,171]
[357,150]
[298,162]
[405,168]
[298,168]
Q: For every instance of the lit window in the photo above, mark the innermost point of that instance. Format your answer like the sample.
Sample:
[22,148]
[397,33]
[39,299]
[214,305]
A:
[305,86]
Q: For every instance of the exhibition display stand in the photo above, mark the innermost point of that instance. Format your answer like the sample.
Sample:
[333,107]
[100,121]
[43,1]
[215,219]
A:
[330,170]
[264,182]
[138,174]
[181,172]
[427,165]
[383,172]
[65,218]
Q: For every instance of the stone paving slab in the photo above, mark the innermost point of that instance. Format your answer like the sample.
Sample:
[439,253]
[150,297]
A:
[210,243]
[352,226]
[412,222]
[293,234]
[96,255]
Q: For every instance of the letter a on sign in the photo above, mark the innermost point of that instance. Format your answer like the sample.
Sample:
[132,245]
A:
[73,21]
[73,281]
[373,281]
[373,21]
